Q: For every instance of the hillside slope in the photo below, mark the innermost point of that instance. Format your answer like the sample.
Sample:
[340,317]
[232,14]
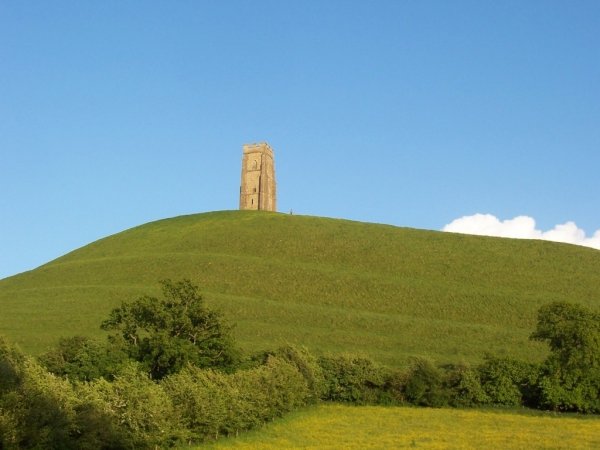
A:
[330,284]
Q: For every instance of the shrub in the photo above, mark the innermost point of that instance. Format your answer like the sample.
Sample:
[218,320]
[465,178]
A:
[272,389]
[136,412]
[204,399]
[8,429]
[424,385]
[213,403]
[265,392]
[354,379]
[38,411]
[308,366]
[12,362]
[508,382]
[395,386]
[464,386]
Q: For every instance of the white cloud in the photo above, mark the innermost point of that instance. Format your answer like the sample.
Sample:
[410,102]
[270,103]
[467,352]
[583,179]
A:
[522,227]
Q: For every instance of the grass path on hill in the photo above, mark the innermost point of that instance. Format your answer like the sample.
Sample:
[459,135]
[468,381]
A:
[375,427]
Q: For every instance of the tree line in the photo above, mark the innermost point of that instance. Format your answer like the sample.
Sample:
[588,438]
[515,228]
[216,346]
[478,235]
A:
[170,373]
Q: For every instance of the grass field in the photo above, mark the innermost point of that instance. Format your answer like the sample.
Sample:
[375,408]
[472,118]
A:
[331,285]
[375,427]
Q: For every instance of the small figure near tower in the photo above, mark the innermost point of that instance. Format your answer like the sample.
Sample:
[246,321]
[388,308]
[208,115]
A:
[258,188]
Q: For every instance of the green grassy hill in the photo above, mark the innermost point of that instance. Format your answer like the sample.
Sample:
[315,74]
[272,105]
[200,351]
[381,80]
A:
[332,285]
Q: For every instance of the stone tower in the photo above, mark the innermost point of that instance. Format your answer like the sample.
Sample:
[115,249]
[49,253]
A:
[257,190]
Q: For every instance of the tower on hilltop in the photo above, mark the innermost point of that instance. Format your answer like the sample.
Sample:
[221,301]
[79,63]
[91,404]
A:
[258,189]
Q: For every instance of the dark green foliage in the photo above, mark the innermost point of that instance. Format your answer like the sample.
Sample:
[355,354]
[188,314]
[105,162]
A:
[8,428]
[133,411]
[122,407]
[307,365]
[354,379]
[202,397]
[464,386]
[394,387]
[425,384]
[12,361]
[81,358]
[508,382]
[98,429]
[36,407]
[41,410]
[46,410]
[214,403]
[268,391]
[570,376]
[168,333]
[572,333]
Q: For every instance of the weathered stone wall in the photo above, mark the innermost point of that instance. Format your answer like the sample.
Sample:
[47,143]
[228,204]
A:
[258,187]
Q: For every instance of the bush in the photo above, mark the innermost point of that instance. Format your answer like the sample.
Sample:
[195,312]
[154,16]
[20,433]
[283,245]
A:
[307,365]
[464,386]
[134,411]
[213,403]
[8,429]
[38,411]
[424,385]
[270,390]
[12,362]
[508,382]
[204,399]
[354,379]
[395,386]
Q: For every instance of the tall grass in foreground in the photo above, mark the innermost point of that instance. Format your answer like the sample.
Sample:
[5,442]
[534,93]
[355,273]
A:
[365,427]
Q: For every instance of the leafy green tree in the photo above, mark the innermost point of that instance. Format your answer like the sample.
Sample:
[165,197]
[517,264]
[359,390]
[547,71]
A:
[570,378]
[81,358]
[167,333]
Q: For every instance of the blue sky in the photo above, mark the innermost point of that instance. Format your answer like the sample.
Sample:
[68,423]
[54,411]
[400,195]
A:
[412,113]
